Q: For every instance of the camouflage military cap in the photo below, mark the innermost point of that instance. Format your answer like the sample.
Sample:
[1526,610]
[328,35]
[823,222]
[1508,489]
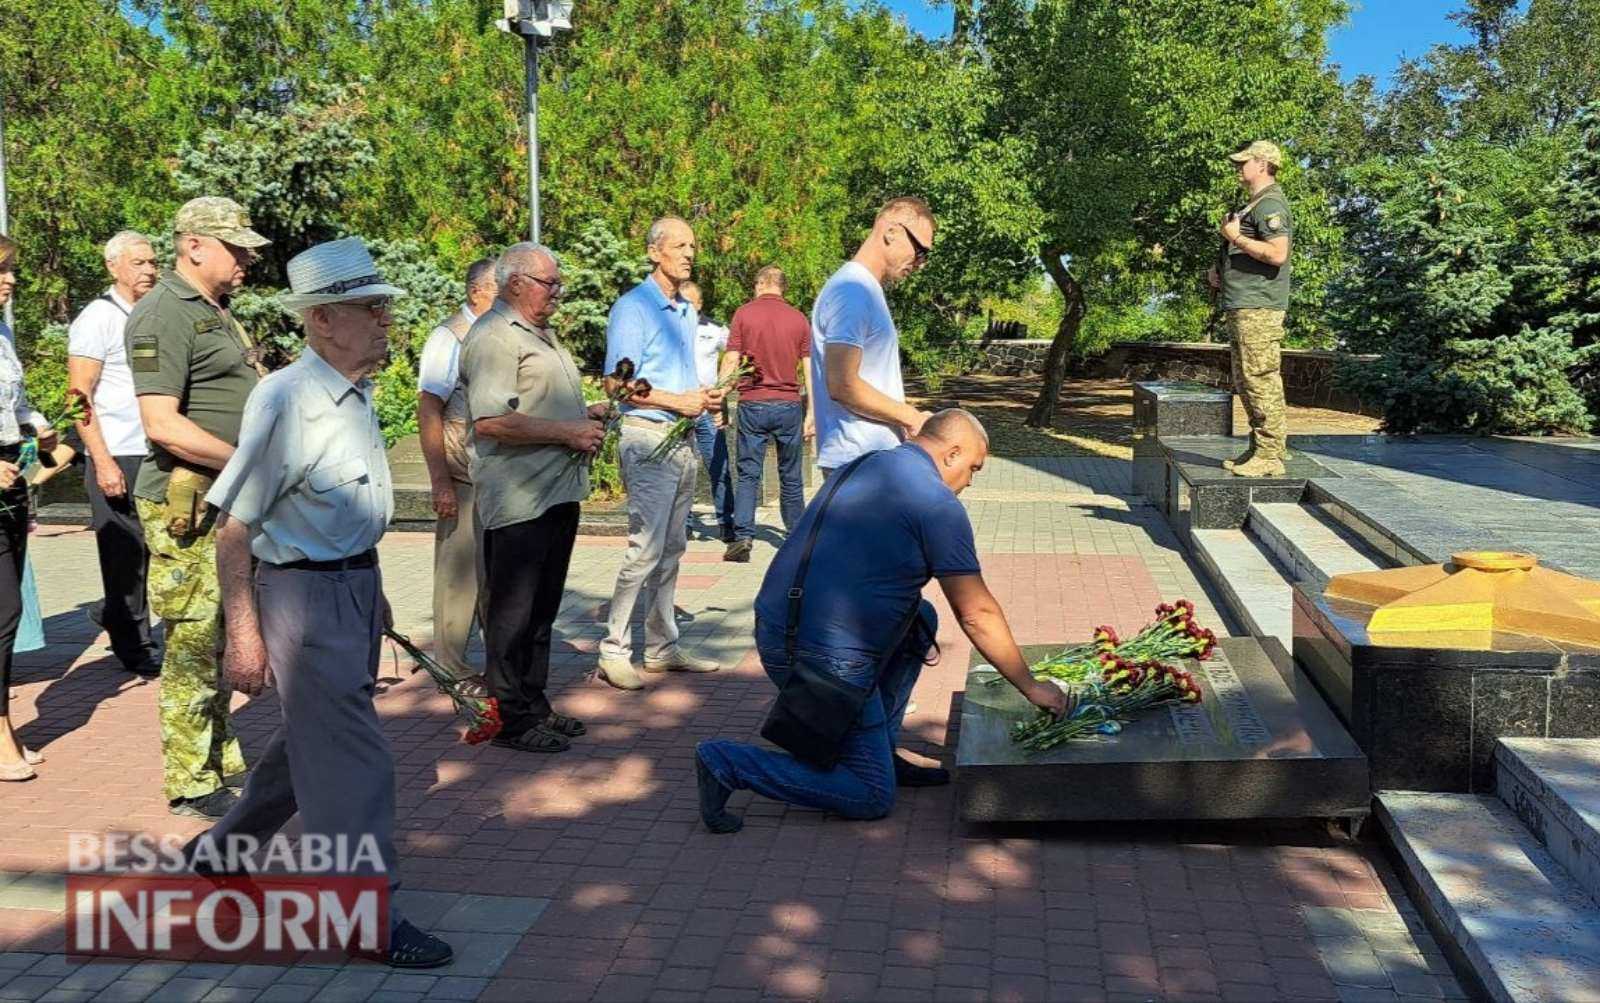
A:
[222,218]
[1261,149]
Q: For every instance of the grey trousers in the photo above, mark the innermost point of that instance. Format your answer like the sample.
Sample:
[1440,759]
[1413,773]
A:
[458,579]
[660,495]
[329,759]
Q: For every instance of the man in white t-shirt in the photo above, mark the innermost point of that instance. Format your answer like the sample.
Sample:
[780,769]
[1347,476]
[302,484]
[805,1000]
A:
[114,445]
[710,437]
[855,348]
[458,573]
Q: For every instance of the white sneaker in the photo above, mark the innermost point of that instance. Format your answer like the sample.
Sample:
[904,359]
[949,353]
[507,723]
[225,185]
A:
[618,672]
[680,661]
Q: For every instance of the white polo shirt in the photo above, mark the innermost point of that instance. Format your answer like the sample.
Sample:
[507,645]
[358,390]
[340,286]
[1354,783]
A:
[97,334]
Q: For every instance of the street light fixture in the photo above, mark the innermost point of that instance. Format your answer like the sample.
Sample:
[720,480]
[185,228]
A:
[535,21]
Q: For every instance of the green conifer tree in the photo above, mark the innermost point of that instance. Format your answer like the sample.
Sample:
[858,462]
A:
[1579,200]
[1436,290]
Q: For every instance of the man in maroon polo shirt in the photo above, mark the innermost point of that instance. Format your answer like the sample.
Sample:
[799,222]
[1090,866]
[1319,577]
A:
[778,338]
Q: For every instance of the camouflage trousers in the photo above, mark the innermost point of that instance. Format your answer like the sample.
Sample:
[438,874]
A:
[1256,337]
[198,745]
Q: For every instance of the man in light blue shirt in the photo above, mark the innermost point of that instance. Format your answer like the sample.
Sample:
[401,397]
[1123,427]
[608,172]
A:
[654,325]
[307,493]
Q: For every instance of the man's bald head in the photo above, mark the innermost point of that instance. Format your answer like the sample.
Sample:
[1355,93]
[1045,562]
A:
[958,443]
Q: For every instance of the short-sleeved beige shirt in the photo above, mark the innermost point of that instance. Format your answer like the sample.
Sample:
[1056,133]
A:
[508,365]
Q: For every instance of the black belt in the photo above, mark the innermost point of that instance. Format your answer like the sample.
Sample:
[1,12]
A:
[366,560]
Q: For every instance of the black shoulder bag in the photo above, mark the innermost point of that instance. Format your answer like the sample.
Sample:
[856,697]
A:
[816,709]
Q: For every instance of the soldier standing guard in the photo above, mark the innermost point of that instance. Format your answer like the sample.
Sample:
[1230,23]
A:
[193,367]
[308,494]
[1252,279]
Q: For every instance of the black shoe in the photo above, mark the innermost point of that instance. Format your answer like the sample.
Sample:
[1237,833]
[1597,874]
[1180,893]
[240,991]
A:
[214,805]
[411,948]
[727,534]
[909,774]
[738,552]
[150,668]
[714,800]
[235,781]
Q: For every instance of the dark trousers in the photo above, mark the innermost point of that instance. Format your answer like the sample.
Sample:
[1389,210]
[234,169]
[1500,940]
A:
[13,551]
[124,565]
[711,443]
[783,422]
[525,565]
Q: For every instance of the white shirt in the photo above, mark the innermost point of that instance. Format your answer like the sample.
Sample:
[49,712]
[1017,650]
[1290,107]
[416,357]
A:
[439,366]
[709,339]
[97,334]
[851,310]
[15,411]
[310,477]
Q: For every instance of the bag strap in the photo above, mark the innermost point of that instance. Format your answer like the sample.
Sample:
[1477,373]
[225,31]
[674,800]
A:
[797,591]
[108,299]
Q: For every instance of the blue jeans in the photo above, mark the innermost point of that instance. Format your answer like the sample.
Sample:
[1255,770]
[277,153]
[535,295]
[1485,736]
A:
[712,445]
[862,785]
[782,422]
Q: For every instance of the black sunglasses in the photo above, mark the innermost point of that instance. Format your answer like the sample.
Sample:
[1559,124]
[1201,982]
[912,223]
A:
[919,249]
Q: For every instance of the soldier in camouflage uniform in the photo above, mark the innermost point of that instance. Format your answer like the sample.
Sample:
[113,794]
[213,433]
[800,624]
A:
[1252,279]
[193,367]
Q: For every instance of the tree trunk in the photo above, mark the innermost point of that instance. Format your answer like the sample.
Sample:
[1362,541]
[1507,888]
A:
[965,14]
[1055,366]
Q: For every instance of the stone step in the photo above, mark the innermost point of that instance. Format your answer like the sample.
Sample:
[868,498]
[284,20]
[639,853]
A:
[1553,785]
[1306,546]
[1509,915]
[1253,587]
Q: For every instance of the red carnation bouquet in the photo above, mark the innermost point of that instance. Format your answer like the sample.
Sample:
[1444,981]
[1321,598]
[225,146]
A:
[1110,681]
[1174,633]
[482,713]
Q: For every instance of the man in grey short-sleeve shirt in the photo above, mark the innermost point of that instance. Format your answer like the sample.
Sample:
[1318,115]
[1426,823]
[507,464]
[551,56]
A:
[532,436]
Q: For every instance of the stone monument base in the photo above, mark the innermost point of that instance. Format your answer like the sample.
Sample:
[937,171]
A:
[1261,744]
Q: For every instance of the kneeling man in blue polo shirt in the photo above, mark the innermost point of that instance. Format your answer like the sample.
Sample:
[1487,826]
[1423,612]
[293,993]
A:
[892,525]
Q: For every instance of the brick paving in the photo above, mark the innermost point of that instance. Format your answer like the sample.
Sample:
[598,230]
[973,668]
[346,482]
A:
[585,876]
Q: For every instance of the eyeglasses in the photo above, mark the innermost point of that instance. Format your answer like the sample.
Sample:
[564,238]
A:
[376,307]
[919,249]
[553,285]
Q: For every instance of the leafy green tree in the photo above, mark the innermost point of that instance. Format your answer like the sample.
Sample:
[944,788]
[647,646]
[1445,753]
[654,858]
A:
[86,128]
[1527,71]
[1125,111]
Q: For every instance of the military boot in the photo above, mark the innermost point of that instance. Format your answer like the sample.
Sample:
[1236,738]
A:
[1258,466]
[1244,457]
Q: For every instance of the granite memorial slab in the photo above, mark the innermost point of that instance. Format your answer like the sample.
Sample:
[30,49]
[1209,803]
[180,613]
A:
[1261,744]
[1172,408]
[1203,495]
[1428,714]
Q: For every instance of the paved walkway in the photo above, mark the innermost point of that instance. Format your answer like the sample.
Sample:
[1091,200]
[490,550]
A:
[586,876]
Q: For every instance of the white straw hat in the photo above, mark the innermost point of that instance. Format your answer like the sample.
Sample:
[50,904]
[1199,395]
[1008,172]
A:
[335,272]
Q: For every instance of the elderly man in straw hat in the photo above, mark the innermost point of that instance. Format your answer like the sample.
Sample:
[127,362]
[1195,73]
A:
[308,494]
[193,367]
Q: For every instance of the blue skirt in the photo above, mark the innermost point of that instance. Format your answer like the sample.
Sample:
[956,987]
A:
[30,632]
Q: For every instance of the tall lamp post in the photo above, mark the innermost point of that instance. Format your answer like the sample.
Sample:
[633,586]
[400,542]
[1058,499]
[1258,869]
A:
[535,21]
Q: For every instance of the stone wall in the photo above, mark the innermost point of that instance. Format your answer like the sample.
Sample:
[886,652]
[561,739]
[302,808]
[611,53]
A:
[1308,375]
[1023,357]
